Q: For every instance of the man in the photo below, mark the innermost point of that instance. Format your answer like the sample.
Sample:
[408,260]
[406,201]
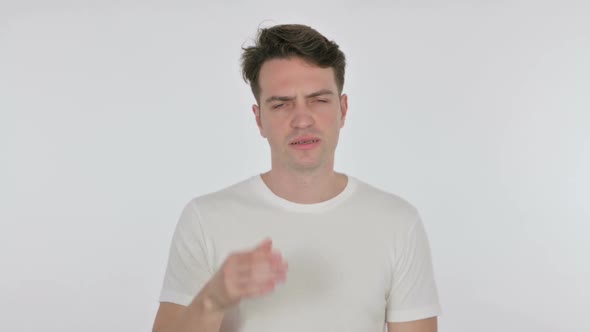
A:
[358,258]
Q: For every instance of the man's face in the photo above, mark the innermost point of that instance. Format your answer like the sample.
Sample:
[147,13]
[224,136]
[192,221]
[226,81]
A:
[300,113]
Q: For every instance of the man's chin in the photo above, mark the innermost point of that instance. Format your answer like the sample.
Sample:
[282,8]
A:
[305,166]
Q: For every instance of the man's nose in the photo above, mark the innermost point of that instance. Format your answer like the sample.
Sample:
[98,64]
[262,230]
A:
[302,116]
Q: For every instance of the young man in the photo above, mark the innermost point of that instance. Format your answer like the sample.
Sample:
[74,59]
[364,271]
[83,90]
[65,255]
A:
[358,258]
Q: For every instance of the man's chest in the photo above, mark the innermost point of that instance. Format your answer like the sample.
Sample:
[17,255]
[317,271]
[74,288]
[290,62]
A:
[338,275]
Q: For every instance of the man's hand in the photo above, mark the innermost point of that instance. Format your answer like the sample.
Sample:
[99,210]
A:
[245,274]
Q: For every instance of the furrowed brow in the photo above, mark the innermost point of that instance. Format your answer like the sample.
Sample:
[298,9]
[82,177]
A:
[288,98]
[320,93]
[278,98]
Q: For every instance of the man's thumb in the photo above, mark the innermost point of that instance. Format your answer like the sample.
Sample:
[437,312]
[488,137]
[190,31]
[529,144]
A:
[265,245]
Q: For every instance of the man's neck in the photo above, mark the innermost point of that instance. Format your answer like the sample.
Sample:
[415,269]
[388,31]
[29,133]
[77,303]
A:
[305,188]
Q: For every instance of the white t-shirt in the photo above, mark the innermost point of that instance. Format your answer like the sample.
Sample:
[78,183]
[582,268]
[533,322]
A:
[356,261]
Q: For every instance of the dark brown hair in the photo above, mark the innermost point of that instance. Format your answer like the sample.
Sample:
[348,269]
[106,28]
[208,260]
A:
[291,40]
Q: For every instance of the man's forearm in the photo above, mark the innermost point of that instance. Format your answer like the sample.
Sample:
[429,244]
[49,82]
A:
[199,316]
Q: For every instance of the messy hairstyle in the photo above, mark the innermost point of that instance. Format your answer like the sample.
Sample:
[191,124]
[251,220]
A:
[291,40]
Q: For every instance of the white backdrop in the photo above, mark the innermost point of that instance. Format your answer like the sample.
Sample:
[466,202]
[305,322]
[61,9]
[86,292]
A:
[113,114]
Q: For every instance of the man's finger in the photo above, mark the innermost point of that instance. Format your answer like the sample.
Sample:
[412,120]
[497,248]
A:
[265,245]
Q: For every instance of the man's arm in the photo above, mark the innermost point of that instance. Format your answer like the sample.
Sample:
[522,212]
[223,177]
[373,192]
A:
[242,275]
[197,316]
[422,325]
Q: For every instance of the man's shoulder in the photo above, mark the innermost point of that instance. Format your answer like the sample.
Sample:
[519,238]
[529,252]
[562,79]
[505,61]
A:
[381,195]
[237,191]
[378,200]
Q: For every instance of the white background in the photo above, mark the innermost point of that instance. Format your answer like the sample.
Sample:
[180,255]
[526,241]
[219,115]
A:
[113,114]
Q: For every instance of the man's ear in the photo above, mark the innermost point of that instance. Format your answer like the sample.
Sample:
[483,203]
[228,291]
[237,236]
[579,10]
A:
[343,109]
[256,111]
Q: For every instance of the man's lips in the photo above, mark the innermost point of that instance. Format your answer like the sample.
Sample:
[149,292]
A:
[305,143]
[303,140]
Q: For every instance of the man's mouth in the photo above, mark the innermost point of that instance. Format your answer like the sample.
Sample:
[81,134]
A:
[305,141]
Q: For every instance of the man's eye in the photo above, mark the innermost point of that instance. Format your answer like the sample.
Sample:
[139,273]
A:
[322,100]
[277,106]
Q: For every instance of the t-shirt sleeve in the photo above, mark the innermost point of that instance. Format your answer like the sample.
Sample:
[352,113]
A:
[413,294]
[189,265]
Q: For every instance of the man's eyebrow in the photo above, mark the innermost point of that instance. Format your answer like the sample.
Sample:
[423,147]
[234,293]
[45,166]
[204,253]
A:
[289,98]
[320,93]
[278,98]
